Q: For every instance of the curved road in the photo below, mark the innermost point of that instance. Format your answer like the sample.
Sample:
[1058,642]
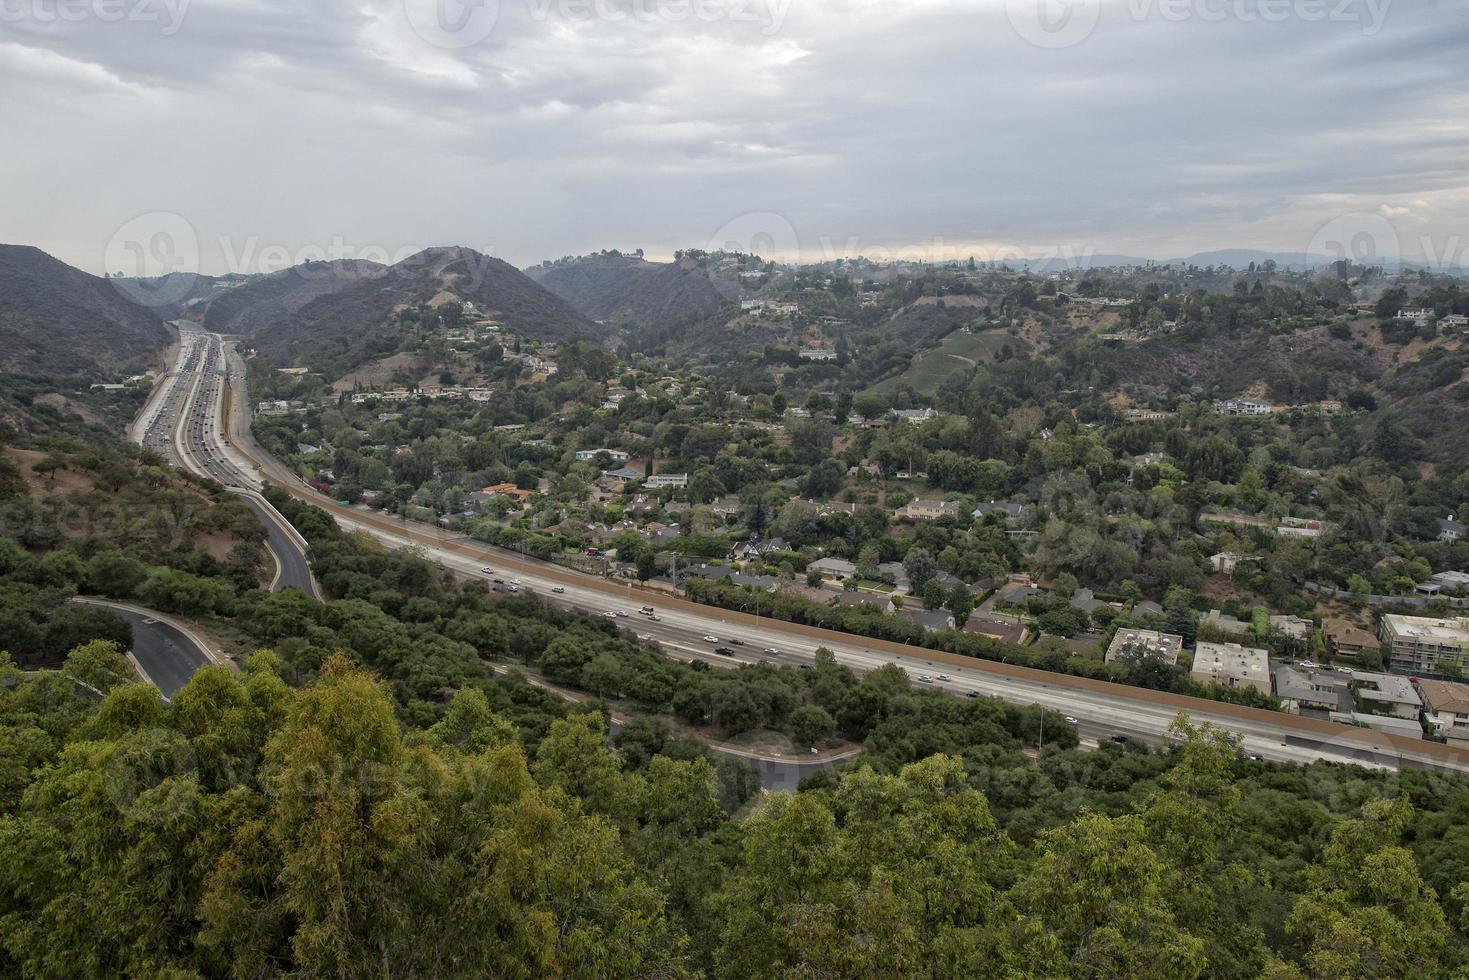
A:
[166,655]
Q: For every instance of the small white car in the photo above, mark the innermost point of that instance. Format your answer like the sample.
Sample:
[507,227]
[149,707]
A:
[945,677]
[558,589]
[711,639]
[771,651]
[925,678]
[487,570]
[610,614]
[1071,721]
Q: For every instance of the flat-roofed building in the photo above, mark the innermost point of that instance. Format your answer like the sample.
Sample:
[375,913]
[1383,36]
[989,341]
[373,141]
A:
[1387,694]
[1426,645]
[1135,644]
[1232,665]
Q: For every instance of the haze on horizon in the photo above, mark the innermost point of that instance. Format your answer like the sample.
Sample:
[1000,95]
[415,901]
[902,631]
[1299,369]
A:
[253,133]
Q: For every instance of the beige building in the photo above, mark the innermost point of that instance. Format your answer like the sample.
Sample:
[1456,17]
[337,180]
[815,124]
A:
[1145,644]
[1232,665]
[1421,644]
[1446,704]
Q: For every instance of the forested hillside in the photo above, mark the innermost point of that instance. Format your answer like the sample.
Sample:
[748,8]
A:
[62,322]
[368,796]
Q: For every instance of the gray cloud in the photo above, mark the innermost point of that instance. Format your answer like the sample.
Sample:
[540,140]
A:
[930,127]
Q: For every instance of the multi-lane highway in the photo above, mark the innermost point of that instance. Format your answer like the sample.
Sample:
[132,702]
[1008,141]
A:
[184,421]
[1102,710]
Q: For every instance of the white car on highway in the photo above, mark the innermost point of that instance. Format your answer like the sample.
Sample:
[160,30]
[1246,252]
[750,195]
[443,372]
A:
[711,639]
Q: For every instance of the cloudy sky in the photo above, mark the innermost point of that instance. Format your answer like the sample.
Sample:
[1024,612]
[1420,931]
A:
[246,134]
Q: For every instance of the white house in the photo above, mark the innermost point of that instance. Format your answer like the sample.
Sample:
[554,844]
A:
[589,455]
[661,480]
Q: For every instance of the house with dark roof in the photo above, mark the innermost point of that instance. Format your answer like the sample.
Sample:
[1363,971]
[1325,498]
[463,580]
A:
[930,619]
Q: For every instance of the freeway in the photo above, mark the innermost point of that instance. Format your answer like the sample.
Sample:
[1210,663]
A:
[165,654]
[183,421]
[1103,710]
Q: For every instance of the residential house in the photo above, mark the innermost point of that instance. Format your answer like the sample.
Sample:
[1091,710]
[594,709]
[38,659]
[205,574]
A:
[1243,406]
[930,619]
[1084,600]
[1300,527]
[1446,706]
[509,490]
[837,568]
[662,480]
[917,416]
[1004,632]
[928,510]
[1147,607]
[1232,665]
[619,479]
[726,506]
[1019,595]
[1011,512]
[1421,316]
[1304,690]
[1387,694]
[1343,639]
[1144,645]
[875,601]
[818,354]
[1226,624]
[1450,529]
[1227,561]
[590,455]
[1451,581]
[1293,626]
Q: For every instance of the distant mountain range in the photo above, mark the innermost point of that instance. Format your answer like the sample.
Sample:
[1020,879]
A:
[61,322]
[1234,258]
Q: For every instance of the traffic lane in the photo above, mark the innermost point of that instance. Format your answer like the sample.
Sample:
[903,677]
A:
[165,653]
[294,570]
[207,398]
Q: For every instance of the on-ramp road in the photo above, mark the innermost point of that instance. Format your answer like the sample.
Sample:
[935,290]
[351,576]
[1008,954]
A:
[165,654]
